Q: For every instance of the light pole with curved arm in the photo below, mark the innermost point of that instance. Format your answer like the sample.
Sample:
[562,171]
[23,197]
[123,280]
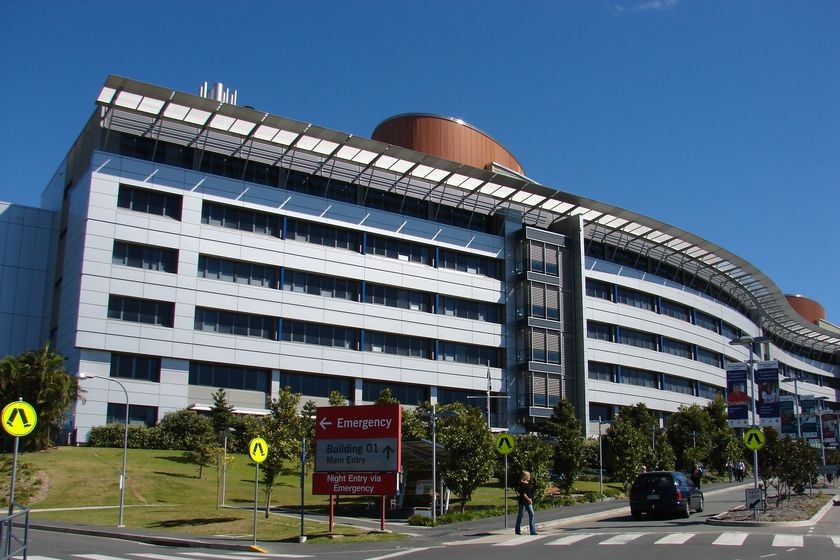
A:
[125,442]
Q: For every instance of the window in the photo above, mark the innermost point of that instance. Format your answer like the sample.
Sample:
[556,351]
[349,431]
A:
[398,249]
[240,272]
[474,264]
[449,396]
[240,324]
[468,309]
[406,394]
[316,385]
[600,331]
[316,284]
[601,372]
[706,321]
[537,300]
[149,202]
[241,219]
[676,310]
[676,348]
[317,234]
[397,297]
[230,377]
[322,335]
[637,299]
[730,332]
[138,310]
[709,391]
[132,366]
[545,346]
[145,256]
[709,357]
[598,289]
[678,385]
[400,345]
[642,378]
[137,414]
[468,354]
[638,339]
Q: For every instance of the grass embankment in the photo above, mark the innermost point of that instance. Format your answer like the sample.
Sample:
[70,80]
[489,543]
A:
[165,493]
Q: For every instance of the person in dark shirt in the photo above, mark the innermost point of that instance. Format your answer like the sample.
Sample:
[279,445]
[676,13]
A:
[525,491]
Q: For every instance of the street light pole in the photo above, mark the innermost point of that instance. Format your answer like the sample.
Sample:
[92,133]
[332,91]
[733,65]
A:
[224,462]
[433,417]
[749,343]
[125,443]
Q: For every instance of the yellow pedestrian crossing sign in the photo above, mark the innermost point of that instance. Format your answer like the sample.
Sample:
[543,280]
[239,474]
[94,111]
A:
[19,418]
[754,439]
[258,450]
[505,443]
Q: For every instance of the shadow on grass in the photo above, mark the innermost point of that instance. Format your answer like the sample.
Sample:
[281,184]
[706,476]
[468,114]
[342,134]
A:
[174,523]
[176,475]
[175,459]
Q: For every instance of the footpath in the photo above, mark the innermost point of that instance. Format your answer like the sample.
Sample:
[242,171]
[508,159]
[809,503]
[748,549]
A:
[546,518]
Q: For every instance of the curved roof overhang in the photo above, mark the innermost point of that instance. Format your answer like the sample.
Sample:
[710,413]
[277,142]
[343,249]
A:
[148,110]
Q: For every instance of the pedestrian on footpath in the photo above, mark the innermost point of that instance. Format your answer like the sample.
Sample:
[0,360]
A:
[525,492]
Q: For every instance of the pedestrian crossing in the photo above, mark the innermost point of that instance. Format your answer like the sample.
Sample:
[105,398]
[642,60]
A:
[728,538]
[173,556]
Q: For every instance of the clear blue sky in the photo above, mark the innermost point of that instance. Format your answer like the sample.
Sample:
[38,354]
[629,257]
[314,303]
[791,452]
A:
[721,117]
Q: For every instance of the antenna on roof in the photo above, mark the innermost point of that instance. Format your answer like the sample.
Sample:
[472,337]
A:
[218,93]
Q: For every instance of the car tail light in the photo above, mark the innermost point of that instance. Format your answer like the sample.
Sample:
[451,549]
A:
[679,494]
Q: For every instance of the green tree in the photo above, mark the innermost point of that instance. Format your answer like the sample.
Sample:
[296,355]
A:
[282,430]
[624,450]
[186,430]
[203,455]
[534,454]
[221,413]
[564,427]
[723,442]
[469,446]
[39,378]
[337,399]
[690,433]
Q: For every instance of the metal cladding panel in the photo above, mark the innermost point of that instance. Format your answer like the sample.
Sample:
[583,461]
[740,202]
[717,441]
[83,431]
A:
[445,138]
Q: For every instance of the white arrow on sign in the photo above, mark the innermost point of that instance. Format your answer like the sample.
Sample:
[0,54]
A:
[324,423]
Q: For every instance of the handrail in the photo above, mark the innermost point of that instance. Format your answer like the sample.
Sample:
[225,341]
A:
[13,544]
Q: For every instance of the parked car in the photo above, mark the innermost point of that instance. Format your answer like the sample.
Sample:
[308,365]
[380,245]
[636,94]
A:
[664,493]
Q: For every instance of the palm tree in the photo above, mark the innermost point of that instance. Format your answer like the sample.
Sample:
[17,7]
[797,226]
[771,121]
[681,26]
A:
[39,378]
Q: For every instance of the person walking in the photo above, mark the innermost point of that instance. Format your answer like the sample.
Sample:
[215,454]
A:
[740,468]
[525,492]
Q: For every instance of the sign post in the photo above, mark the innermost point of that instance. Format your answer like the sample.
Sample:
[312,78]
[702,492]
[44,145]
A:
[358,451]
[19,419]
[258,451]
[504,445]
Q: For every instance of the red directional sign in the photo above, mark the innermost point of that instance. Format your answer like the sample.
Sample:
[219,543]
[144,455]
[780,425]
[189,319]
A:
[358,422]
[358,439]
[355,484]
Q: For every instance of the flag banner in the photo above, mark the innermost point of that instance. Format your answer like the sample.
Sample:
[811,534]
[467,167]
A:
[737,400]
[767,380]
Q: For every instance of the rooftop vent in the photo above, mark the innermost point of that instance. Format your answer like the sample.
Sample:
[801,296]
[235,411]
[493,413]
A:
[218,92]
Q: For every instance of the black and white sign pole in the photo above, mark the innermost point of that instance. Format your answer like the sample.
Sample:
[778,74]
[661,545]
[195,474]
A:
[256,486]
[302,537]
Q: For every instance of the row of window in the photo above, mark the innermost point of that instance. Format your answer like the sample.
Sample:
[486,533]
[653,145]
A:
[292,180]
[261,326]
[644,378]
[146,368]
[649,341]
[242,272]
[656,304]
[241,219]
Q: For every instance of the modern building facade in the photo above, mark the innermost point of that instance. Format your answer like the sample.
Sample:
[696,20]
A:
[186,243]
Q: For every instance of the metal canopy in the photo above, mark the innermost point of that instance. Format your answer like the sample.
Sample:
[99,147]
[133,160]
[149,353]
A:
[164,114]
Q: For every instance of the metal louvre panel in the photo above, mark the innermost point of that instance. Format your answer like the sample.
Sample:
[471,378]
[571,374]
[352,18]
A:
[555,388]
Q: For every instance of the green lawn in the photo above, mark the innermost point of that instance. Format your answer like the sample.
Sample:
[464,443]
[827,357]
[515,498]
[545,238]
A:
[165,493]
